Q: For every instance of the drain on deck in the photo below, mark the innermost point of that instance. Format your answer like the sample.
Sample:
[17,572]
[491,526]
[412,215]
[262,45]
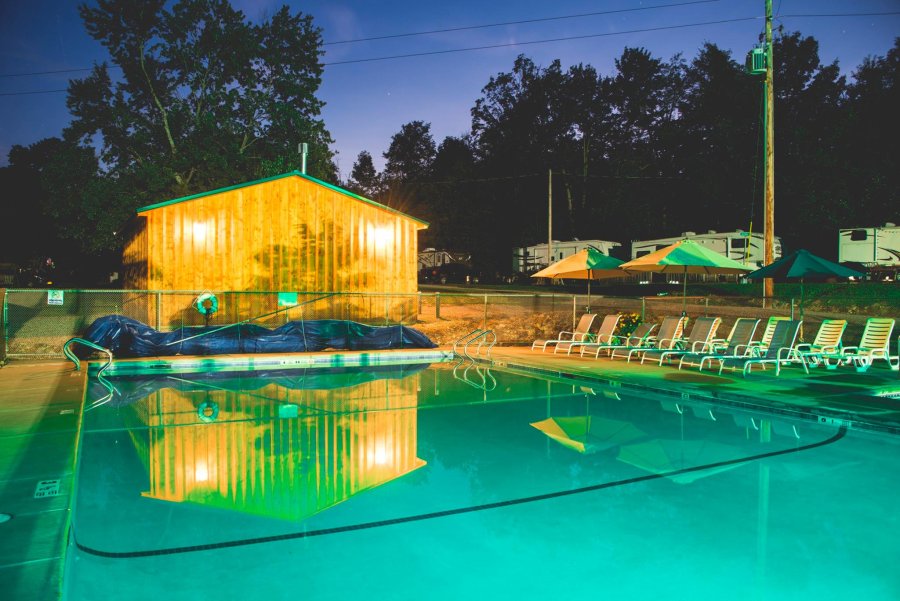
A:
[46,488]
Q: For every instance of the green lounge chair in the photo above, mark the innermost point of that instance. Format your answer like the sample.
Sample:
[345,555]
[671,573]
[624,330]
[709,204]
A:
[826,342]
[669,332]
[700,339]
[581,333]
[758,347]
[641,337]
[606,333]
[780,350]
[739,338]
[874,344]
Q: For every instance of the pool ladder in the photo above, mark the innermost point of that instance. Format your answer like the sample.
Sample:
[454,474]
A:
[486,339]
[111,390]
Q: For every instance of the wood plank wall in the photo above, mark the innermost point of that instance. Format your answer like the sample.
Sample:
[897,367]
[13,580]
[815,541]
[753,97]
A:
[290,235]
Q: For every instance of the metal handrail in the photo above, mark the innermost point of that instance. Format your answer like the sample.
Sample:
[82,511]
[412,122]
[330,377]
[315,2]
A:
[473,334]
[482,340]
[74,359]
[111,390]
[479,335]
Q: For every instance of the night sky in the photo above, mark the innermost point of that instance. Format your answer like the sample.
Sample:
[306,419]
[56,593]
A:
[367,102]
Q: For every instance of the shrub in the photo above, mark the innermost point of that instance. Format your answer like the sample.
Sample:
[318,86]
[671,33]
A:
[627,324]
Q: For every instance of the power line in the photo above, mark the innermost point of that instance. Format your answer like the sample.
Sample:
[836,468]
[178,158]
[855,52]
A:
[539,20]
[420,33]
[506,45]
[541,175]
[48,72]
[34,92]
[547,41]
[588,36]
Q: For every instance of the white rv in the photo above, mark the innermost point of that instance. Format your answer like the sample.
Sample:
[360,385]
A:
[739,245]
[431,258]
[875,247]
[529,259]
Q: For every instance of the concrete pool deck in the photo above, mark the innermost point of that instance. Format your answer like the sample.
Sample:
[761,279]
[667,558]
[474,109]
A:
[41,403]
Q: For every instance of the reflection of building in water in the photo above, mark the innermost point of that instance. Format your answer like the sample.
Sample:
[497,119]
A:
[248,459]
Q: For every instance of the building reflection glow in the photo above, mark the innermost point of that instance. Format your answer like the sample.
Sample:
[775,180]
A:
[340,443]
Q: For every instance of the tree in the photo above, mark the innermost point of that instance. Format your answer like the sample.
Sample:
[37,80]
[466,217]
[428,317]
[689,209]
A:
[205,98]
[873,128]
[62,210]
[810,158]
[452,208]
[27,233]
[719,143]
[410,154]
[364,178]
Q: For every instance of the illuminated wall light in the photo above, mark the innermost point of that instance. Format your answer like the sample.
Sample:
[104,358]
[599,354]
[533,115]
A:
[380,452]
[381,236]
[201,472]
[199,230]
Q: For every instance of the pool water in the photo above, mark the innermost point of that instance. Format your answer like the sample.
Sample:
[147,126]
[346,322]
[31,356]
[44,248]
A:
[418,483]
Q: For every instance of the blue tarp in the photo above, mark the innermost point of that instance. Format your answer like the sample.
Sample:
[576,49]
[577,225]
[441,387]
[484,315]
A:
[127,337]
[129,389]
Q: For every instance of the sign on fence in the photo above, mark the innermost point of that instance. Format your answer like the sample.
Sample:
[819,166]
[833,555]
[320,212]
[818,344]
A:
[55,297]
[287,299]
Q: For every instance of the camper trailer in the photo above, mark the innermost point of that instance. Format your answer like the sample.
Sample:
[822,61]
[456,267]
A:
[529,259]
[431,258]
[878,248]
[743,247]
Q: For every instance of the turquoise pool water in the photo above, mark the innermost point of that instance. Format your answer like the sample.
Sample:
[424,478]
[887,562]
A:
[407,482]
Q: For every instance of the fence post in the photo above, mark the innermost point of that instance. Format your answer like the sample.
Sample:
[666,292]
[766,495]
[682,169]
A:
[792,309]
[437,305]
[4,328]
[643,309]
[707,308]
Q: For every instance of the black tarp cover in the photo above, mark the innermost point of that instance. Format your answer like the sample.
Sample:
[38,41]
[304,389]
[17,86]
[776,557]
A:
[127,337]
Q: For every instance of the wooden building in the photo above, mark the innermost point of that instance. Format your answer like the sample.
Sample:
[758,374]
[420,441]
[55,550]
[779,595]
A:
[290,233]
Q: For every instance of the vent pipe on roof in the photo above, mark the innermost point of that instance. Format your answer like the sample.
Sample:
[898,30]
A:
[303,149]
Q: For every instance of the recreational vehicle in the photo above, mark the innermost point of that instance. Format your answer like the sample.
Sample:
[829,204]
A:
[529,259]
[744,247]
[878,248]
[431,258]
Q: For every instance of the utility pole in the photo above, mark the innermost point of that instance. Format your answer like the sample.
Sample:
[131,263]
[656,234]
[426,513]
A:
[549,217]
[769,209]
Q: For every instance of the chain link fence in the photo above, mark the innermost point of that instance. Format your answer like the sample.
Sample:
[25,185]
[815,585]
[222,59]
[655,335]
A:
[37,323]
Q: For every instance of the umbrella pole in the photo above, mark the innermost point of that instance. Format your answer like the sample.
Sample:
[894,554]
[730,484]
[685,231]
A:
[801,308]
[589,291]
[684,294]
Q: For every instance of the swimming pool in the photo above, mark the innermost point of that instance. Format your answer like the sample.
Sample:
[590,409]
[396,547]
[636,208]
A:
[409,482]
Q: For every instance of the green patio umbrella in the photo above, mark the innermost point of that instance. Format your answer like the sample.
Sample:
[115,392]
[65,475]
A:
[588,264]
[685,257]
[666,456]
[588,433]
[802,264]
